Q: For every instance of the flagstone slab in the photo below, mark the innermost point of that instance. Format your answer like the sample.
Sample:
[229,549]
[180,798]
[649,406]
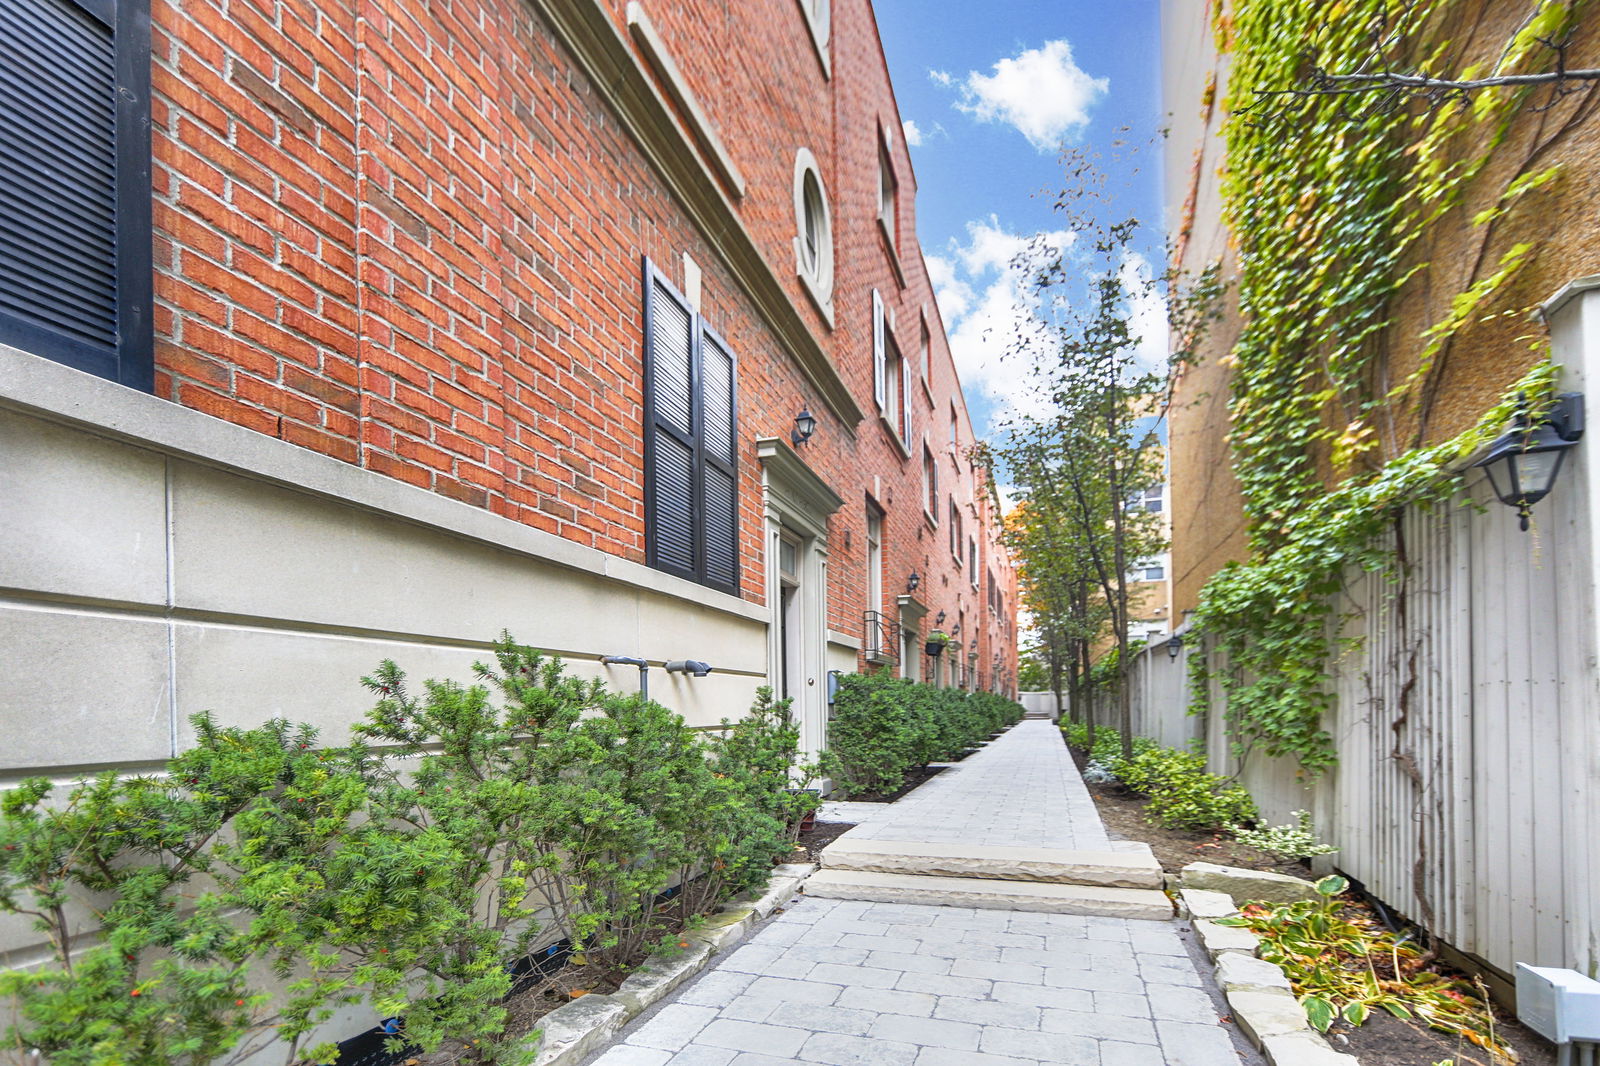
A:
[1047,897]
[1123,868]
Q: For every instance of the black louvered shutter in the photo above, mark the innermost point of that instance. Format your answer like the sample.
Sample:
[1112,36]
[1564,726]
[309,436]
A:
[669,470]
[718,387]
[75,263]
[691,473]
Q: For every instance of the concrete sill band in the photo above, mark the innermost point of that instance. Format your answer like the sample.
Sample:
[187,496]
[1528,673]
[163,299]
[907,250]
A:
[571,1033]
[1257,991]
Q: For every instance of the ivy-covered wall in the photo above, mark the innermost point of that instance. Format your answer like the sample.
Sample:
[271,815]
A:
[1359,237]
[1383,264]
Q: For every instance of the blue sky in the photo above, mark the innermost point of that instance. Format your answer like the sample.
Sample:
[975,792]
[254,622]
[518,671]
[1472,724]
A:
[989,92]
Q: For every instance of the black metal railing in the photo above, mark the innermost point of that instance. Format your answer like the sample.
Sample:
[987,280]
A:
[880,637]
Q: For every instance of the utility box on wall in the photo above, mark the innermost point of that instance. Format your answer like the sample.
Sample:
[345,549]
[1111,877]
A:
[1560,1005]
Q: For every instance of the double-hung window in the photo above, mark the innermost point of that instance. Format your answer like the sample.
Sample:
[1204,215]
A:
[891,374]
[691,473]
[75,259]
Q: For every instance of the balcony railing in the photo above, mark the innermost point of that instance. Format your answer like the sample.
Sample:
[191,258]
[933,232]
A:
[880,638]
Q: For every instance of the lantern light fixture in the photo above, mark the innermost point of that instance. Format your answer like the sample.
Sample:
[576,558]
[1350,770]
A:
[805,424]
[913,581]
[1174,646]
[939,621]
[1523,463]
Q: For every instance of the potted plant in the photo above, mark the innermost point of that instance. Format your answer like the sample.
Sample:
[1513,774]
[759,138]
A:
[936,642]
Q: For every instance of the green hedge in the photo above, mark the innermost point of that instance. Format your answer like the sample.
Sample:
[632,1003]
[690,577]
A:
[412,869]
[884,727]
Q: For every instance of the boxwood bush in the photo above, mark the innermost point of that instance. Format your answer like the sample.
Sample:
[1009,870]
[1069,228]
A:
[884,727]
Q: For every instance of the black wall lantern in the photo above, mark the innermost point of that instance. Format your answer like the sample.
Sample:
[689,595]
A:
[939,621]
[1174,647]
[805,424]
[1522,465]
[913,581]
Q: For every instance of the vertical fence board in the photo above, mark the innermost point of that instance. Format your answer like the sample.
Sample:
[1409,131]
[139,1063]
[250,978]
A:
[1504,724]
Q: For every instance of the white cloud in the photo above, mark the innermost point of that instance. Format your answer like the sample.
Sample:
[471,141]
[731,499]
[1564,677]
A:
[913,134]
[1147,312]
[989,313]
[940,77]
[1040,91]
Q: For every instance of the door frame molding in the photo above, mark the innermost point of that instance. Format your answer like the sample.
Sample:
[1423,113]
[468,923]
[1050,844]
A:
[797,499]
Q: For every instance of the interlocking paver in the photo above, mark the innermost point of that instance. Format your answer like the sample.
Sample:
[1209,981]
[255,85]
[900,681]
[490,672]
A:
[928,1032]
[752,1036]
[935,1056]
[856,983]
[1044,996]
[1099,1026]
[1183,1005]
[846,1020]
[700,1055]
[1045,1047]
[785,990]
[835,1049]
[674,1026]
[987,1012]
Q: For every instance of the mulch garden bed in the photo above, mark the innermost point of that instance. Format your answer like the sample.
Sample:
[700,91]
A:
[913,780]
[1383,1040]
[1122,810]
[819,836]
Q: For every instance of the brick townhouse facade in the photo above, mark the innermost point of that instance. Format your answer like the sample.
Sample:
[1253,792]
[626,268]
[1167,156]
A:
[336,330]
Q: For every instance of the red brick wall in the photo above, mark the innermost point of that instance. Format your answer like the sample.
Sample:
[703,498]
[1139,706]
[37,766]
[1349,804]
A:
[407,234]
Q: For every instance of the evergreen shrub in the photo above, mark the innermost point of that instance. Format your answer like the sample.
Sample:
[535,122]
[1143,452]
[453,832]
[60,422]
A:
[884,727]
[414,869]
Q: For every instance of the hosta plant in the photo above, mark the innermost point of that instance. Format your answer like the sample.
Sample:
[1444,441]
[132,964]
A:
[1343,964]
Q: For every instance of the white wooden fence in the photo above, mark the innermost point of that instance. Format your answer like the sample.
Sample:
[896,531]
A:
[1499,848]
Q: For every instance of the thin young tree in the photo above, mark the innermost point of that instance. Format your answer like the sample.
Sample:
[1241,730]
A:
[1079,461]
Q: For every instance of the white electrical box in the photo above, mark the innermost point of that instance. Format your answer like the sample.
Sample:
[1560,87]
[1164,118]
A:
[1560,1005]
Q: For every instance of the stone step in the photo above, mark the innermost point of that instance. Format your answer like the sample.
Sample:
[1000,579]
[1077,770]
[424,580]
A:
[1126,867]
[1054,898]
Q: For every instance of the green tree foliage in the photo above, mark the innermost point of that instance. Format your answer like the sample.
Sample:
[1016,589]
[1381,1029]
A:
[1078,462]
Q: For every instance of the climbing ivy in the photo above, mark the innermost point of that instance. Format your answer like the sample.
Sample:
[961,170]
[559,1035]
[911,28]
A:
[1272,617]
[1328,204]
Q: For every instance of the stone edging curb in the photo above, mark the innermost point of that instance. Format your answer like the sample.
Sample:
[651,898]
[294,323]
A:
[1257,991]
[576,1030]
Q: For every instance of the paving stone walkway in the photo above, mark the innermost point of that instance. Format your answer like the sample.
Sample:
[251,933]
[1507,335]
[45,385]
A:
[852,983]
[1020,791]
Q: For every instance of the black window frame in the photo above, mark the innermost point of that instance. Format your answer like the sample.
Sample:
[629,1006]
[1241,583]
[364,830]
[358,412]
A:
[695,440]
[131,360]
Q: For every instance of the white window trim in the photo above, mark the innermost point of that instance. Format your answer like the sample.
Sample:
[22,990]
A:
[820,286]
[821,26]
